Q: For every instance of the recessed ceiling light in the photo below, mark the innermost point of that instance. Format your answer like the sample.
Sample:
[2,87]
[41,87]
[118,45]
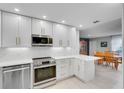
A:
[63,21]
[16,9]
[80,25]
[44,17]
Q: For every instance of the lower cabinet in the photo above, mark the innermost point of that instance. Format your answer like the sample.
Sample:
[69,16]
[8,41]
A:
[79,69]
[63,68]
[82,69]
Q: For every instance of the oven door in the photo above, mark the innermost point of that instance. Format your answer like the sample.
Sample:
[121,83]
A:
[44,74]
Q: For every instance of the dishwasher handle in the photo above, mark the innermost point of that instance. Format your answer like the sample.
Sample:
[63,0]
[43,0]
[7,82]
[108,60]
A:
[15,68]
[12,70]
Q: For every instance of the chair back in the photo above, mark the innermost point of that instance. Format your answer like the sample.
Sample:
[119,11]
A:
[109,58]
[99,54]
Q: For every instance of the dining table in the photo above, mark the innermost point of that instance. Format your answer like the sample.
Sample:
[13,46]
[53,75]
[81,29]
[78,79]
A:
[117,61]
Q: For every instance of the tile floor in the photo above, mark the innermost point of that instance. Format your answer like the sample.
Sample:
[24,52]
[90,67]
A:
[106,78]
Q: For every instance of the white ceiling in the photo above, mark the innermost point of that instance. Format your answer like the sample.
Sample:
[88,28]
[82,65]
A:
[73,14]
[110,28]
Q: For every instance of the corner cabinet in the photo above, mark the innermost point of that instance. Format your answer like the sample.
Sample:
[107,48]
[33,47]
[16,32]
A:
[16,30]
[41,27]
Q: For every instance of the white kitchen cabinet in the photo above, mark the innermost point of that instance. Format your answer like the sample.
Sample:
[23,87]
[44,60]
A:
[41,27]
[79,69]
[71,37]
[16,30]
[0,29]
[25,31]
[76,67]
[9,29]
[47,28]
[63,68]
[64,36]
[71,67]
[84,70]
[60,35]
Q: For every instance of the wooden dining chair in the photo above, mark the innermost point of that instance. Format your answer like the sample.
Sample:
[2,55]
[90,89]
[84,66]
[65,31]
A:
[117,61]
[100,54]
[109,58]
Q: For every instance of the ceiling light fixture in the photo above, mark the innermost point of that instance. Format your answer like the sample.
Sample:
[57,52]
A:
[63,21]
[16,9]
[44,17]
[80,25]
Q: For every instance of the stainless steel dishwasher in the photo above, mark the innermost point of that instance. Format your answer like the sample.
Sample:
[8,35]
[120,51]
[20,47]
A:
[16,77]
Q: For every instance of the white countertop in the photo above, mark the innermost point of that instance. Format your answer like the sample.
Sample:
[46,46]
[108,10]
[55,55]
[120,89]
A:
[82,57]
[25,61]
[15,62]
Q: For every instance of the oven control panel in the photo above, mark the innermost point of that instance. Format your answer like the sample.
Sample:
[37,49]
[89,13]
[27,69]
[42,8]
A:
[43,61]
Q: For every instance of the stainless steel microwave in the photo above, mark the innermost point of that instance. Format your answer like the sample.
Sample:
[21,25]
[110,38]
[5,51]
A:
[41,40]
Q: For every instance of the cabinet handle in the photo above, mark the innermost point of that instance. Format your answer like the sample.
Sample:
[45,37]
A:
[44,30]
[41,30]
[78,68]
[16,40]
[60,43]
[68,43]
[19,40]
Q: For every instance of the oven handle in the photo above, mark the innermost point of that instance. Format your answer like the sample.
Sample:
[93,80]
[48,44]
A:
[43,66]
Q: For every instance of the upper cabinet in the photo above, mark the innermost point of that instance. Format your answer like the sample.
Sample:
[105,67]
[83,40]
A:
[41,27]
[0,29]
[16,30]
[71,37]
[64,36]
[60,35]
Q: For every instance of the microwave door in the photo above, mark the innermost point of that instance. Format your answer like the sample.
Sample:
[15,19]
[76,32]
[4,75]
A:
[50,41]
[44,40]
[36,40]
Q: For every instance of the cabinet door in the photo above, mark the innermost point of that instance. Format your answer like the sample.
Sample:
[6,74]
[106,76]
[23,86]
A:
[71,67]
[25,31]
[76,67]
[36,26]
[9,29]
[47,28]
[0,29]
[71,37]
[62,69]
[81,70]
[59,32]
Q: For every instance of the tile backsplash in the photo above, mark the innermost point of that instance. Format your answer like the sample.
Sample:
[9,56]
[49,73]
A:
[24,53]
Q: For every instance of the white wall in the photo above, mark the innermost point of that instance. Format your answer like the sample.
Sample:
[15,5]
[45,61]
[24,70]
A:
[113,43]
[95,44]
[116,42]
